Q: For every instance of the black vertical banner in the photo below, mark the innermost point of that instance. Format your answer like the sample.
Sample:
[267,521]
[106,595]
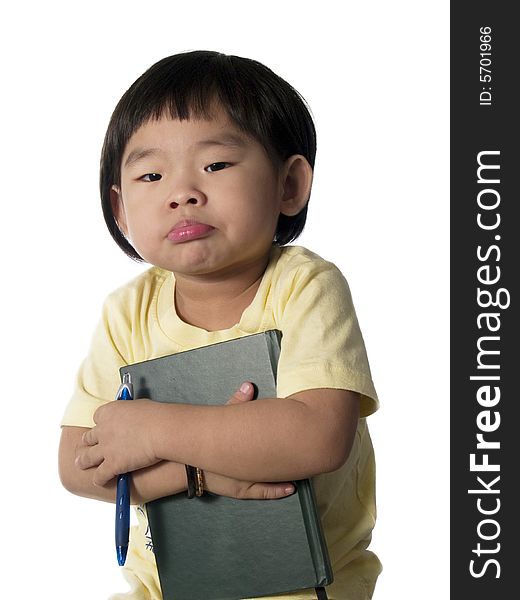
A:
[485,331]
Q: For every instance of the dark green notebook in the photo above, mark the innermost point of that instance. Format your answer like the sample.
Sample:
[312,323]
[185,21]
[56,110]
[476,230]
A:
[219,548]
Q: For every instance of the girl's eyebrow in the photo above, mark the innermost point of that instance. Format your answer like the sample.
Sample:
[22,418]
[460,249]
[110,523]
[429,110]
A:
[228,140]
[140,153]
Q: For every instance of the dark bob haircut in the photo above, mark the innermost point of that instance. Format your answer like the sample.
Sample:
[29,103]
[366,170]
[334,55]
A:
[185,86]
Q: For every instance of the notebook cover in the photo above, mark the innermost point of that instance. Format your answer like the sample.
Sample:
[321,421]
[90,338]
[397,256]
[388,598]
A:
[219,548]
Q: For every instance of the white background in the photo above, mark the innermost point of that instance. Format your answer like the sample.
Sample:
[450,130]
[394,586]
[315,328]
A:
[376,77]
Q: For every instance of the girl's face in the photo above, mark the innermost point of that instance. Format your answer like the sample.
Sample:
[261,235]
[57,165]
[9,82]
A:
[200,197]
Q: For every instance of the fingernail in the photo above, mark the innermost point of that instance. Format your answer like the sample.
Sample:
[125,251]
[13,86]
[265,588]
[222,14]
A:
[244,388]
[289,489]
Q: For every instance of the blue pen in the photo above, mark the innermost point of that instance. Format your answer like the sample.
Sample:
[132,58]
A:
[125,392]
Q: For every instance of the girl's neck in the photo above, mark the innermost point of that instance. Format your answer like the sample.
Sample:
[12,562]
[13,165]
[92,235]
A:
[217,303]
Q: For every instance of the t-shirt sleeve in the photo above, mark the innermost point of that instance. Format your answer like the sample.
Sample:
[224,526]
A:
[322,345]
[98,377]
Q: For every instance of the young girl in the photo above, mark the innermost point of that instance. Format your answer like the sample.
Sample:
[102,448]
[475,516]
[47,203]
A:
[206,173]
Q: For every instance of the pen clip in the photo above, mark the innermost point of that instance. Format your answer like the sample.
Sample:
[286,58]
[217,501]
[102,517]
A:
[126,389]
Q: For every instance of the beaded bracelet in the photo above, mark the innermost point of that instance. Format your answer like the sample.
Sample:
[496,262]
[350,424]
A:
[199,482]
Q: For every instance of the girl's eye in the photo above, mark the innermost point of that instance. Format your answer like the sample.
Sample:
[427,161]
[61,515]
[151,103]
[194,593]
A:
[151,177]
[217,166]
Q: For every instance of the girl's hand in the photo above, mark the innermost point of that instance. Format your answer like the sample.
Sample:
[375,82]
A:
[121,441]
[245,490]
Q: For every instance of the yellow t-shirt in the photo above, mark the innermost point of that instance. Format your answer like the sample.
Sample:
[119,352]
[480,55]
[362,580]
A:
[308,300]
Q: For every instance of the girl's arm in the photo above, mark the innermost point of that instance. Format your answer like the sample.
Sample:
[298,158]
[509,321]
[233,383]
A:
[282,439]
[161,479]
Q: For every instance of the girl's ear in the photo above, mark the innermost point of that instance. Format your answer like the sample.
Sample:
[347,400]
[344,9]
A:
[296,181]
[118,208]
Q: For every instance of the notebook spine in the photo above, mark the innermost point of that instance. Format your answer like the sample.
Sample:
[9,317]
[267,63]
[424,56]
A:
[315,536]
[272,340]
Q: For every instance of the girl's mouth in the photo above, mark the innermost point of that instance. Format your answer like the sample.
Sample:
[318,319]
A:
[187,230]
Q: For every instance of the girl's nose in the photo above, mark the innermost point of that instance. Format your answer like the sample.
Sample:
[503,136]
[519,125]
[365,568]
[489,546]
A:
[195,197]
